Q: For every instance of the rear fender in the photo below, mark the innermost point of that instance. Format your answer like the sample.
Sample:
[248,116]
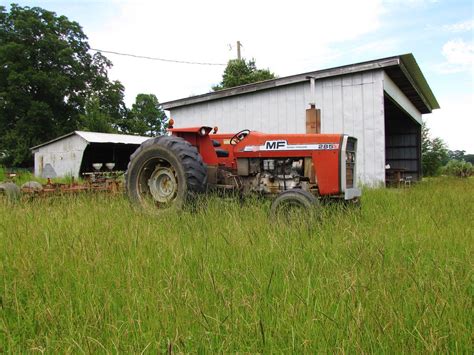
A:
[201,141]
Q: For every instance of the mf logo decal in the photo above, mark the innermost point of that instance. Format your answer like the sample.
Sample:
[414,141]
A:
[275,145]
[283,145]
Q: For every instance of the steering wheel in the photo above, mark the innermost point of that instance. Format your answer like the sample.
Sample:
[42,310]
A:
[236,138]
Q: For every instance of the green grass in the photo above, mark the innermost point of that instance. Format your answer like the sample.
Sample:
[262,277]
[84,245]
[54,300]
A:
[23,175]
[88,274]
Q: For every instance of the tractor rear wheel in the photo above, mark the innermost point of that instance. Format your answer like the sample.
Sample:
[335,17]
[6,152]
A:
[165,172]
[294,203]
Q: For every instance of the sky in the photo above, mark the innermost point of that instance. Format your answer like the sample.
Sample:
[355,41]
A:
[288,37]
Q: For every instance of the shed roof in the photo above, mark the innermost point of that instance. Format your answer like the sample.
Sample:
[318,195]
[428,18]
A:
[402,69]
[96,137]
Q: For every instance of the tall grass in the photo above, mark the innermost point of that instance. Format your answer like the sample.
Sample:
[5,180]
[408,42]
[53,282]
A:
[24,175]
[88,274]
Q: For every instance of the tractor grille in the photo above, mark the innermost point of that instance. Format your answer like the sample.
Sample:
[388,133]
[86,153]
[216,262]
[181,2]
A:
[350,162]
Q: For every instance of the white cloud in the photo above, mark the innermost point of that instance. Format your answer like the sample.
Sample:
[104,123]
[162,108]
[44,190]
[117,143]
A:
[459,57]
[286,37]
[459,52]
[460,26]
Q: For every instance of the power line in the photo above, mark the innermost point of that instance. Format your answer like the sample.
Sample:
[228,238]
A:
[154,58]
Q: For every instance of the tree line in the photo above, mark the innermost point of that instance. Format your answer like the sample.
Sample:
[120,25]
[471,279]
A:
[51,85]
[438,159]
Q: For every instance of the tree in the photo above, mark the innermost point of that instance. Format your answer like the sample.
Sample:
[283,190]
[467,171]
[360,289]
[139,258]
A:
[469,158]
[434,153]
[241,72]
[146,117]
[46,78]
[459,168]
[456,154]
[95,119]
[105,109]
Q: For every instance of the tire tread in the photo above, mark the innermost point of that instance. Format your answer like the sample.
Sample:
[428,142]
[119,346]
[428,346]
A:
[195,170]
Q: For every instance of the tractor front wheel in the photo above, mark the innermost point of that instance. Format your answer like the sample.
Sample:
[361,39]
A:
[165,172]
[295,203]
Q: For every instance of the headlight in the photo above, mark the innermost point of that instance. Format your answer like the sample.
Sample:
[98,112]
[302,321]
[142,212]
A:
[203,131]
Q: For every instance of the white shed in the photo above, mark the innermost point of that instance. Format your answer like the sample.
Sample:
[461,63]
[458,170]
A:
[75,152]
[380,102]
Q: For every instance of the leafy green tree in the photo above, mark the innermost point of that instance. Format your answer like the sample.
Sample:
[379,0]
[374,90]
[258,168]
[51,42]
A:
[456,154]
[459,168]
[241,72]
[434,153]
[46,78]
[146,117]
[105,109]
[469,158]
[95,119]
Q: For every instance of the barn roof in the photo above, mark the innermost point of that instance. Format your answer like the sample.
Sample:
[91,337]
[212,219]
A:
[402,69]
[96,137]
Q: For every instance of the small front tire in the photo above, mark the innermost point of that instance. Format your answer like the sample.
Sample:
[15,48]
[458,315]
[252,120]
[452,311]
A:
[295,202]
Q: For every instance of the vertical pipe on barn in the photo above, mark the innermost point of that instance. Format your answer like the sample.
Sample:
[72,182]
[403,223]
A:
[313,115]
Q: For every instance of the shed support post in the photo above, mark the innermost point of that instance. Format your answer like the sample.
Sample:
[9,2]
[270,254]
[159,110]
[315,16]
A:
[313,120]
[313,115]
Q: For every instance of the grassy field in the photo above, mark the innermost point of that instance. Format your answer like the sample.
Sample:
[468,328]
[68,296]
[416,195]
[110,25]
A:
[87,274]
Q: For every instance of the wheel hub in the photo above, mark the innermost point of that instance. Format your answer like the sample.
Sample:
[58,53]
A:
[163,185]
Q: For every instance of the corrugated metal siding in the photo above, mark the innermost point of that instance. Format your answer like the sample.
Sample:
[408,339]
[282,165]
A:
[351,104]
[64,156]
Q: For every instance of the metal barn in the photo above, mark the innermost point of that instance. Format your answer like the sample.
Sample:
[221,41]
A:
[73,154]
[380,102]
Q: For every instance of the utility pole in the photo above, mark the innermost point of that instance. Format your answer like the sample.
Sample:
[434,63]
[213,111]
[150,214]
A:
[238,50]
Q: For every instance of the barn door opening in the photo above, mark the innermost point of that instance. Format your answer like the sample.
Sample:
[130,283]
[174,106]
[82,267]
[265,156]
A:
[402,144]
[104,153]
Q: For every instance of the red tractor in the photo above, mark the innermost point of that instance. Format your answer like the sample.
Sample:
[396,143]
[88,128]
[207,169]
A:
[298,169]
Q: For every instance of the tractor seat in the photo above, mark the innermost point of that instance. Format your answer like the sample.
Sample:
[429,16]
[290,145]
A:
[221,153]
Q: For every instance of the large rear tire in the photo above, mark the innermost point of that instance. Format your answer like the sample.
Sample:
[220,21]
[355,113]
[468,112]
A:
[165,172]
